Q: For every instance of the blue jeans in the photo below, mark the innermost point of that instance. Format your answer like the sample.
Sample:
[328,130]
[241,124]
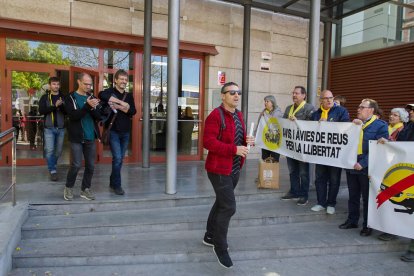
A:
[88,150]
[223,208]
[323,175]
[299,177]
[53,146]
[119,144]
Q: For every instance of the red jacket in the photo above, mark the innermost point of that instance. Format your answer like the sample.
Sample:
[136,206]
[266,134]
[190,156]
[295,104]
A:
[221,152]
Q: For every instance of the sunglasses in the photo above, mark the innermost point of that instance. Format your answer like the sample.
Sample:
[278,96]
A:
[233,92]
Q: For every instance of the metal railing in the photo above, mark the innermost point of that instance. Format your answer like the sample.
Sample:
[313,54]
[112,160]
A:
[12,139]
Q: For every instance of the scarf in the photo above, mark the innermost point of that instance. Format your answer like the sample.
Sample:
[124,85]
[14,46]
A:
[394,128]
[324,114]
[293,111]
[361,134]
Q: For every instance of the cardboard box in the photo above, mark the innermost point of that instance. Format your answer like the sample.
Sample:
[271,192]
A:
[268,175]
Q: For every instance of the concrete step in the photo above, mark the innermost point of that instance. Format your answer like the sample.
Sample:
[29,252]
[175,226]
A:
[320,238]
[249,213]
[129,202]
[386,263]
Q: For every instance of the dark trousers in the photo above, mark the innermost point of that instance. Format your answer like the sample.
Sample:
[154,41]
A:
[299,177]
[88,150]
[223,208]
[326,194]
[358,184]
[119,144]
[267,153]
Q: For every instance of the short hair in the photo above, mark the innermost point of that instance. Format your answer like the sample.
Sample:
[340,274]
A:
[54,79]
[81,75]
[402,112]
[372,104]
[227,84]
[341,99]
[121,72]
[302,89]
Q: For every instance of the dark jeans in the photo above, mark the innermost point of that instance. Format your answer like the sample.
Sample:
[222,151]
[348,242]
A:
[267,153]
[323,175]
[119,144]
[299,177]
[223,208]
[88,150]
[358,184]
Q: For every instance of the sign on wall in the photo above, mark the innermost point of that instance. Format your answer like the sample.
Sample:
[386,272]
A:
[221,77]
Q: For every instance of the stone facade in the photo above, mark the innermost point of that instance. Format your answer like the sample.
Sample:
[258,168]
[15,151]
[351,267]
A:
[202,21]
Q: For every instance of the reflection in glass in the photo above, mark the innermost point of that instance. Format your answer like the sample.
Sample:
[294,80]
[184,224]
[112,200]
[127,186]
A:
[115,59]
[27,88]
[52,53]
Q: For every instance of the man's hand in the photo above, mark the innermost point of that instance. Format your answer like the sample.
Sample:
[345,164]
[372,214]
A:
[242,151]
[357,166]
[382,140]
[357,121]
[92,102]
[59,102]
[292,118]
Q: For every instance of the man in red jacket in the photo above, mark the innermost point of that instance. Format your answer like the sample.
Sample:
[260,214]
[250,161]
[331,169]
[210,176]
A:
[226,142]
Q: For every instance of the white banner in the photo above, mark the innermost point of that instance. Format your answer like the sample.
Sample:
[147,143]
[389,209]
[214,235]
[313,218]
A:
[391,190]
[326,143]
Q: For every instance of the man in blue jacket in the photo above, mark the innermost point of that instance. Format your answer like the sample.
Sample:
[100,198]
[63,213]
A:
[358,182]
[329,112]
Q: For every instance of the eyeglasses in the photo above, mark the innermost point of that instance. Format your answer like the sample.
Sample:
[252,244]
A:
[362,107]
[233,92]
[327,98]
[87,84]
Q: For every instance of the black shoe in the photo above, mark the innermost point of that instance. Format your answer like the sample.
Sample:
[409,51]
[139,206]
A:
[407,257]
[53,177]
[223,258]
[208,240]
[118,190]
[365,232]
[348,225]
[302,201]
[289,196]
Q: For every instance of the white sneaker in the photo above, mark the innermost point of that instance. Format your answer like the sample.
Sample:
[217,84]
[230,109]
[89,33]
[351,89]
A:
[330,210]
[317,208]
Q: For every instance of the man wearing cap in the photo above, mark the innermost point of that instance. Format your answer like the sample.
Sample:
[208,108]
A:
[329,112]
[226,142]
[298,170]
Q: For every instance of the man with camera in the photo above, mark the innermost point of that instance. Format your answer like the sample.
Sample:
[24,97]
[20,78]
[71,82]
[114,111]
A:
[83,112]
[123,108]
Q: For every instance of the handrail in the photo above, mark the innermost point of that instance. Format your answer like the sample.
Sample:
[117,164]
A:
[12,187]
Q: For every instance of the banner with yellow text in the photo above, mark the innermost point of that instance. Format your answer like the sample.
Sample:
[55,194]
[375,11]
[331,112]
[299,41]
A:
[391,189]
[326,143]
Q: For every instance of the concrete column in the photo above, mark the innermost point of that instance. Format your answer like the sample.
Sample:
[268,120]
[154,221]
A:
[146,99]
[327,39]
[313,51]
[172,92]
[246,61]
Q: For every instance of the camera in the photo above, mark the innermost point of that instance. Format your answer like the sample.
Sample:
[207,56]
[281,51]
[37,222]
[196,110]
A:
[100,106]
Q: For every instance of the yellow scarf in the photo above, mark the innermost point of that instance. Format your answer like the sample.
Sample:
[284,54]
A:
[324,114]
[361,134]
[51,104]
[394,128]
[293,111]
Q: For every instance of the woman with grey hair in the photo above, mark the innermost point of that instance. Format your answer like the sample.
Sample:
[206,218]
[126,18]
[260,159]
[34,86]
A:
[398,117]
[271,110]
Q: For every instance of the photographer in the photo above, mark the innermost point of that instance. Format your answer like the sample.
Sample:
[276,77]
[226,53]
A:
[123,108]
[81,108]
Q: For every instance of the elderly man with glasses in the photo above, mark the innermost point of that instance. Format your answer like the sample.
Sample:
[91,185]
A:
[357,179]
[329,112]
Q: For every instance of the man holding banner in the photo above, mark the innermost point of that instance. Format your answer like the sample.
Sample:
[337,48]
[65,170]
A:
[298,170]
[329,112]
[357,178]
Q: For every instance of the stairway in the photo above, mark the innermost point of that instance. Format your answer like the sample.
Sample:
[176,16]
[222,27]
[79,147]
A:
[163,235]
